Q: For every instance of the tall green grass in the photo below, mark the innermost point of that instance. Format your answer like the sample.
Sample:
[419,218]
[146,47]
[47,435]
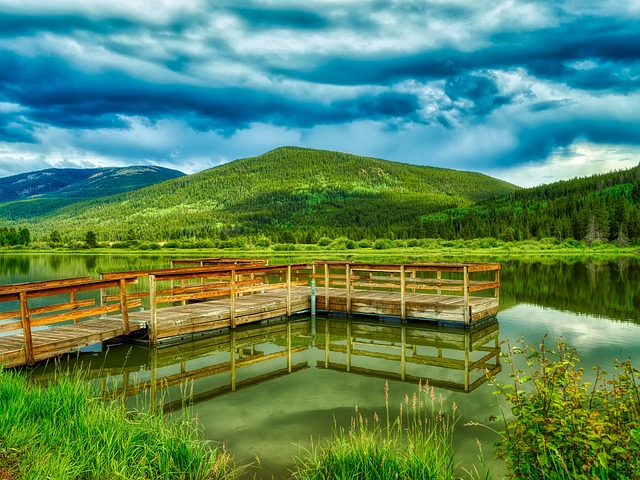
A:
[417,444]
[64,431]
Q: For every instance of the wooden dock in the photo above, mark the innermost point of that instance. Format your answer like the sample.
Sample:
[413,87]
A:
[26,335]
[201,296]
[455,293]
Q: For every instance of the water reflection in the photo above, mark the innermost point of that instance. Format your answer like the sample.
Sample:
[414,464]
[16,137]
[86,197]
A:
[232,360]
[455,359]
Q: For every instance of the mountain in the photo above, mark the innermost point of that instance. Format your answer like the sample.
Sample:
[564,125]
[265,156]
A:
[36,193]
[288,193]
[603,207]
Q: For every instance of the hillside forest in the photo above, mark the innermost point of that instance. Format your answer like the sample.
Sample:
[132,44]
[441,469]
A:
[293,195]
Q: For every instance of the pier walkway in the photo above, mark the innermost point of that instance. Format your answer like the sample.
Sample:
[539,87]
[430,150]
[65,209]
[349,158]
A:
[45,319]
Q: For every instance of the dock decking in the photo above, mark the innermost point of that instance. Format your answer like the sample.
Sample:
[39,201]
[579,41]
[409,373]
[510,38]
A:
[217,293]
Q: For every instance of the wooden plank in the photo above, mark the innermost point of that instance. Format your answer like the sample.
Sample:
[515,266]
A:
[19,287]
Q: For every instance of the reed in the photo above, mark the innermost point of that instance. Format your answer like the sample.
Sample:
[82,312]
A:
[416,444]
[64,431]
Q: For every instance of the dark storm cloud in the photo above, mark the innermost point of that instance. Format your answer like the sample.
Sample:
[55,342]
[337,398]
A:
[534,74]
[54,94]
[479,89]
[279,18]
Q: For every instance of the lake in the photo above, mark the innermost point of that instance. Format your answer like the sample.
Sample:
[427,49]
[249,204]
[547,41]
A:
[287,382]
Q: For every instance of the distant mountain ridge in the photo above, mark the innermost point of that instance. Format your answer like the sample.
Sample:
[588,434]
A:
[288,194]
[81,183]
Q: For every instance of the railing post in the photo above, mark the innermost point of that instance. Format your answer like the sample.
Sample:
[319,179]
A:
[26,329]
[124,307]
[153,322]
[288,290]
[403,298]
[467,319]
[497,289]
[347,270]
[73,298]
[232,299]
[326,287]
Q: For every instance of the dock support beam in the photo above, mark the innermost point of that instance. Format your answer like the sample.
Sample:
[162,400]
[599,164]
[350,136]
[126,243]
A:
[26,329]
[232,299]
[153,322]
[467,319]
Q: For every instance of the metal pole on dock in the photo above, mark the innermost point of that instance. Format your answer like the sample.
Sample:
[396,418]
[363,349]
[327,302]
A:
[313,298]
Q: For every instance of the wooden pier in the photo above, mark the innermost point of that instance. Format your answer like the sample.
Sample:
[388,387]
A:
[25,333]
[199,296]
[445,292]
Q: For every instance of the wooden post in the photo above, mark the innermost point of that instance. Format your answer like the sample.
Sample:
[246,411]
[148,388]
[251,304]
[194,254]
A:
[347,270]
[326,287]
[467,319]
[103,292]
[312,299]
[497,289]
[26,329]
[288,290]
[232,299]
[153,322]
[403,296]
[72,298]
[124,307]
[439,277]
[413,277]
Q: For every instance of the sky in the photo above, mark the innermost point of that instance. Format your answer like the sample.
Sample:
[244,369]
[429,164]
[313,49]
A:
[527,91]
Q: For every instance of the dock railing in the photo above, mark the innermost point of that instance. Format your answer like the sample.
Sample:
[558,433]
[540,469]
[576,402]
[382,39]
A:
[464,279]
[29,305]
[179,286]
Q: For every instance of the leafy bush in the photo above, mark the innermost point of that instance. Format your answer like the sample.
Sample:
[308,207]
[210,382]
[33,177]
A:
[284,247]
[365,243]
[382,244]
[324,242]
[565,427]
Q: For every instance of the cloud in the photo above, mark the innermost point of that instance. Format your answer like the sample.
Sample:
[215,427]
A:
[489,86]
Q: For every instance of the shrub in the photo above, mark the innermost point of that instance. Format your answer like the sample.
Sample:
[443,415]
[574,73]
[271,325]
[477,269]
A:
[365,243]
[324,242]
[382,244]
[284,247]
[565,427]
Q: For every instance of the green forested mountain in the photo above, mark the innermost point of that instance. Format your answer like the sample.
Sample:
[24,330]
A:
[288,194]
[33,194]
[603,207]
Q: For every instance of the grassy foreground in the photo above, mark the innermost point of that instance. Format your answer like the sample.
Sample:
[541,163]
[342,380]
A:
[418,444]
[65,432]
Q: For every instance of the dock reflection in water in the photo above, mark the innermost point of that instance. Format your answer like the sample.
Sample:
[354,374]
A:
[455,359]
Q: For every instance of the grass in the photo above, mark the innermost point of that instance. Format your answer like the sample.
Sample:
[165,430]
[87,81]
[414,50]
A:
[64,431]
[418,444]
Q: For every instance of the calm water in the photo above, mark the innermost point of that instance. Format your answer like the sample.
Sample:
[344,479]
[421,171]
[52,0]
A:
[280,388]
